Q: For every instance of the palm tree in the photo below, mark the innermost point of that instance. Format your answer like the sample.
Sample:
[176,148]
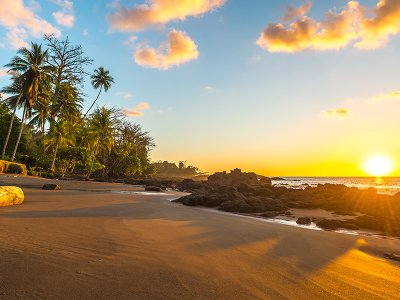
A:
[41,109]
[102,127]
[100,79]
[68,105]
[32,67]
[61,134]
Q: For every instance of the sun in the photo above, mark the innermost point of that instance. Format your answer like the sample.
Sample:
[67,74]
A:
[378,165]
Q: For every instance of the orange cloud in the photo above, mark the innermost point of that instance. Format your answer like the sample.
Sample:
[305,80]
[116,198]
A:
[137,111]
[351,26]
[179,49]
[64,19]
[21,22]
[155,13]
[385,23]
[337,112]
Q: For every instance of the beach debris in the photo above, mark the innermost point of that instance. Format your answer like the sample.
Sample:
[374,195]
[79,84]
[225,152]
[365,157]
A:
[51,186]
[11,195]
[151,188]
[303,221]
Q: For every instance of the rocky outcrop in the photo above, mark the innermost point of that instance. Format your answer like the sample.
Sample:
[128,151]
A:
[151,188]
[337,224]
[234,178]
[11,195]
[51,187]
[303,221]
[246,193]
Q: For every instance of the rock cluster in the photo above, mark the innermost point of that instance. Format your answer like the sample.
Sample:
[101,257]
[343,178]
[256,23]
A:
[247,193]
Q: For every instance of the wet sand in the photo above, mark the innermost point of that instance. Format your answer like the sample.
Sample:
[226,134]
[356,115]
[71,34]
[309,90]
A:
[89,242]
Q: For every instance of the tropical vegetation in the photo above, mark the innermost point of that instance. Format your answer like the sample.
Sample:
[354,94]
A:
[42,124]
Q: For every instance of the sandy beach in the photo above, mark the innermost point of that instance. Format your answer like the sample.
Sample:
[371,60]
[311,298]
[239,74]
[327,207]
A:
[92,241]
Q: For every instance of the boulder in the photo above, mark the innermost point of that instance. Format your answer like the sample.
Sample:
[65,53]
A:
[303,221]
[234,178]
[51,187]
[265,180]
[11,195]
[270,214]
[191,186]
[329,224]
[151,188]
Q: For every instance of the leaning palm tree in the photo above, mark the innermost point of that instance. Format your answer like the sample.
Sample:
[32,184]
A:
[100,79]
[32,68]
[61,134]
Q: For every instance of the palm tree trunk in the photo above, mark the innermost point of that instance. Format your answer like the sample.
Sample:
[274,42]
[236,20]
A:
[101,87]
[53,163]
[3,153]
[19,135]
[42,125]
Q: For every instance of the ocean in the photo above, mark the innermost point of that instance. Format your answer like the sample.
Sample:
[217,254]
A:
[384,185]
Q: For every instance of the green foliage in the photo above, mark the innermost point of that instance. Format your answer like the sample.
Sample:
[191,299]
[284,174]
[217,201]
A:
[165,168]
[55,139]
[12,167]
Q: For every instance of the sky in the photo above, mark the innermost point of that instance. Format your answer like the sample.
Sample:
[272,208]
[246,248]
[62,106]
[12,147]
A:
[281,88]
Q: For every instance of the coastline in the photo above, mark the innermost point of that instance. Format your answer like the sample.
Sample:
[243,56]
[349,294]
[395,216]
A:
[85,242]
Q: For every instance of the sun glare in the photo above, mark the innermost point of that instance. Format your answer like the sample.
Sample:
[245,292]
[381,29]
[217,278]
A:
[378,166]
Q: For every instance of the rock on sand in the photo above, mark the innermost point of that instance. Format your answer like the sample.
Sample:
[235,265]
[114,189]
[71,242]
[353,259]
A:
[11,195]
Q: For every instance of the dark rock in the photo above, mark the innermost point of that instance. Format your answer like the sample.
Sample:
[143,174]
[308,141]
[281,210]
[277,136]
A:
[150,188]
[252,205]
[329,224]
[191,186]
[278,179]
[270,214]
[303,221]
[392,256]
[234,178]
[265,180]
[51,186]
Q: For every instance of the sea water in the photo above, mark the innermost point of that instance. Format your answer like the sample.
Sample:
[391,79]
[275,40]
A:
[384,185]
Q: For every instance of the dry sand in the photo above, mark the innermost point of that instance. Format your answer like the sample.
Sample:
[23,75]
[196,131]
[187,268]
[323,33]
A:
[84,242]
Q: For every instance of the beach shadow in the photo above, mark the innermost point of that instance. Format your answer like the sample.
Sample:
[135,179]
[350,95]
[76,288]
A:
[220,232]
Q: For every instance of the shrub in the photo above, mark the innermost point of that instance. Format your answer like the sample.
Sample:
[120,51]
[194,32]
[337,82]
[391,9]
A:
[11,167]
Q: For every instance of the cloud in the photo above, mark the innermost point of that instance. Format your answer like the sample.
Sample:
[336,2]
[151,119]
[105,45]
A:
[21,22]
[137,111]
[209,88]
[131,40]
[155,13]
[3,72]
[385,23]
[297,12]
[65,4]
[85,32]
[388,96]
[337,112]
[353,25]
[125,95]
[64,19]
[179,49]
